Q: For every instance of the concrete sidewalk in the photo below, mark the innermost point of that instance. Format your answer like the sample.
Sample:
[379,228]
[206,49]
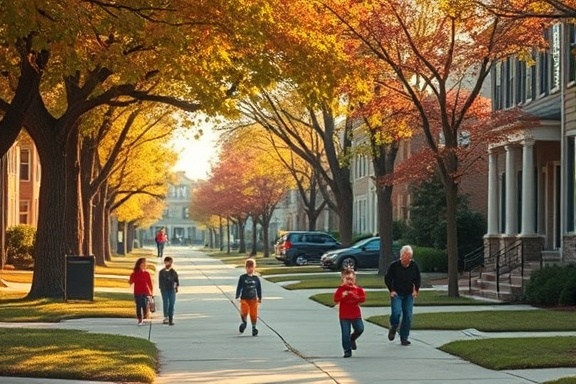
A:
[299,340]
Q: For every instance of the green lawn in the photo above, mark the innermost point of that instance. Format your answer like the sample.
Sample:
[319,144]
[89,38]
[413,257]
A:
[382,299]
[329,280]
[564,380]
[516,353]
[539,320]
[67,354]
[16,308]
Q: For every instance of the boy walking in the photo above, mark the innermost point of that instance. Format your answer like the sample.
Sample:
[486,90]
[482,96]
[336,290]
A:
[249,291]
[169,283]
[349,296]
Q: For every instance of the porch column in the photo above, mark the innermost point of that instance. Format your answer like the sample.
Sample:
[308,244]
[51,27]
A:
[492,192]
[511,192]
[528,204]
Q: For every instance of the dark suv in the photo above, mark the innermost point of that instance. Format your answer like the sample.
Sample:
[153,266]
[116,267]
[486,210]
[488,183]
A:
[302,247]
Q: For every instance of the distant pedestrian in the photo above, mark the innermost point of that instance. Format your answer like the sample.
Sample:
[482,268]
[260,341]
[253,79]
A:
[249,291]
[403,281]
[161,240]
[169,283]
[349,296]
[142,282]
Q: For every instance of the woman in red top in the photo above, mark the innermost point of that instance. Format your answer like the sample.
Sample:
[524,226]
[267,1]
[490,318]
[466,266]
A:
[142,288]
[349,296]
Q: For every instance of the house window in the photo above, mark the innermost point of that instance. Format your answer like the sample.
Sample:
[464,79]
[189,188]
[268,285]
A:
[509,73]
[24,211]
[530,82]
[544,72]
[571,52]
[498,87]
[521,80]
[24,165]
[571,181]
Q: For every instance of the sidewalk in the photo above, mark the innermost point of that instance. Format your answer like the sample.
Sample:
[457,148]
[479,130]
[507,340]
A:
[299,340]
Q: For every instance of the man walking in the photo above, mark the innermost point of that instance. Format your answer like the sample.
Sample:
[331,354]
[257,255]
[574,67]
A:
[403,282]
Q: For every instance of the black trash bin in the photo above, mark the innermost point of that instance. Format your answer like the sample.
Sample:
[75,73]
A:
[79,277]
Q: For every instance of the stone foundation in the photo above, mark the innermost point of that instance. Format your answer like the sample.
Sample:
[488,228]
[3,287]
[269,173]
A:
[569,249]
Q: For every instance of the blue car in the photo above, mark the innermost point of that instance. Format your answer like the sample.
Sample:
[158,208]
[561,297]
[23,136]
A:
[363,254]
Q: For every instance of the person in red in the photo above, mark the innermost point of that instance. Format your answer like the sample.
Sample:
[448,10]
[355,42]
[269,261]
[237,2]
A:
[142,282]
[349,296]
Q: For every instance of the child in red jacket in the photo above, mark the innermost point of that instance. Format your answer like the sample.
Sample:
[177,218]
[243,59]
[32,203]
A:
[349,296]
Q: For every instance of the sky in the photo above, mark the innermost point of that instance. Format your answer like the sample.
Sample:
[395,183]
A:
[196,154]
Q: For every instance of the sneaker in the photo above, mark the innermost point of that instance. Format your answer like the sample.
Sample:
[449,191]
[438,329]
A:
[392,333]
[171,323]
[347,354]
[165,321]
[140,323]
[353,344]
[405,342]
[254,331]
[242,327]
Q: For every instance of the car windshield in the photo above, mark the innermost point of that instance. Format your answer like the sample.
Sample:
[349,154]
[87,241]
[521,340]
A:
[361,243]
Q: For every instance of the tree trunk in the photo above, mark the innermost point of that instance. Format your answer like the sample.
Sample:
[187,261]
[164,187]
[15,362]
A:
[107,233]
[241,226]
[98,236]
[385,219]
[254,251]
[129,233]
[73,198]
[51,235]
[452,236]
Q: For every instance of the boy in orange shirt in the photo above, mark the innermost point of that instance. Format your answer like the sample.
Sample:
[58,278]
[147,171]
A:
[249,291]
[349,296]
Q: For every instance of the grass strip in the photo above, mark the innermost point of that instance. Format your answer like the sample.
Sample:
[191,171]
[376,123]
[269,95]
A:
[539,320]
[330,280]
[16,308]
[516,353]
[382,299]
[76,355]
[564,380]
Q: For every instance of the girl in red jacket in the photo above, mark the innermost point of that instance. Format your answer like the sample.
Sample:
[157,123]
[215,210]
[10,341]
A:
[142,288]
[349,296]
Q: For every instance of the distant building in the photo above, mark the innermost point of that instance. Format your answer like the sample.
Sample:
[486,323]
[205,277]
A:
[180,228]
[20,173]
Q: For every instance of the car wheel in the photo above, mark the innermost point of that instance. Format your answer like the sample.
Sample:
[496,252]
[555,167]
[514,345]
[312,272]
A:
[348,262]
[300,260]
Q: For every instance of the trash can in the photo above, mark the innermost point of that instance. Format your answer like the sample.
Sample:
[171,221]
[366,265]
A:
[79,278]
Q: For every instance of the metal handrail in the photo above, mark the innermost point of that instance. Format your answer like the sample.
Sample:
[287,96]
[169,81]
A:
[476,259]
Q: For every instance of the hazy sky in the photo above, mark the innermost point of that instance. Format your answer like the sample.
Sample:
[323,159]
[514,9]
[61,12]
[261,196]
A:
[196,155]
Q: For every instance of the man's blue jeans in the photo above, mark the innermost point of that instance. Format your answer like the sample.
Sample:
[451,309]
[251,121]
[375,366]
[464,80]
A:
[402,307]
[168,300]
[345,326]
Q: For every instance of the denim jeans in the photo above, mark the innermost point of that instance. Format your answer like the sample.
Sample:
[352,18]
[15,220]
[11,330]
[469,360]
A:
[168,300]
[160,247]
[402,307]
[140,306]
[345,325]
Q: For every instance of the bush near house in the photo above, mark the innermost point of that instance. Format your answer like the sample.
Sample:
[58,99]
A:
[20,240]
[430,259]
[552,286]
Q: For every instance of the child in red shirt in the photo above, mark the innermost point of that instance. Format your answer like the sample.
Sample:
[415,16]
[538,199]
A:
[349,296]
[142,288]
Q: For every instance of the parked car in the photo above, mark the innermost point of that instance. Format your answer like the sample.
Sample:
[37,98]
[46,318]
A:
[303,247]
[364,253]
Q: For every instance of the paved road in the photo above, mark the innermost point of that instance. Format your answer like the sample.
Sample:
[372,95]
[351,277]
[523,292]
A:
[298,340]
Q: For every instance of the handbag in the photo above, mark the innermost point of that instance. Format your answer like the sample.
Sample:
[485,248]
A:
[151,303]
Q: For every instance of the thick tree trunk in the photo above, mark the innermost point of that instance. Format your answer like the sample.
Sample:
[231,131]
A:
[345,213]
[130,229]
[51,235]
[241,226]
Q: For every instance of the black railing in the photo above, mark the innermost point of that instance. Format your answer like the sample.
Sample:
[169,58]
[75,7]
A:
[503,261]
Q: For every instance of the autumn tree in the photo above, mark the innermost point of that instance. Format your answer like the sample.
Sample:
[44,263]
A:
[61,60]
[436,51]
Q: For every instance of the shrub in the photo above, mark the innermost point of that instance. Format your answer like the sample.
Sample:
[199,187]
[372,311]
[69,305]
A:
[20,240]
[430,259]
[400,229]
[551,286]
